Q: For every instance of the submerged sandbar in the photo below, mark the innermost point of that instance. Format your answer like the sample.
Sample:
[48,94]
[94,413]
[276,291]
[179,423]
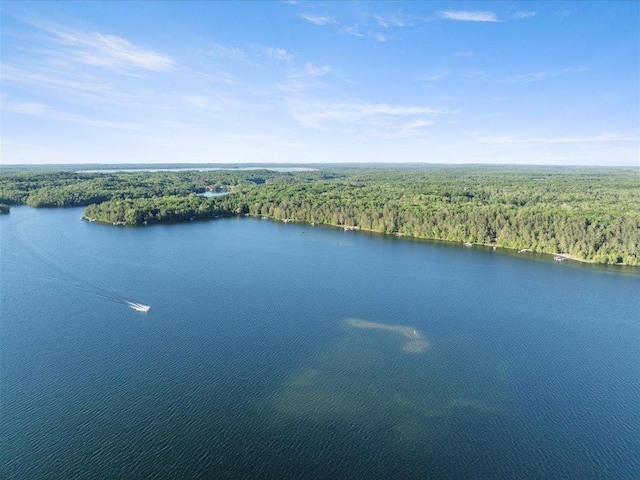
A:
[417,343]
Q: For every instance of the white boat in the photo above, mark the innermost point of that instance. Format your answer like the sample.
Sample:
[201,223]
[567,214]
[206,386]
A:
[139,307]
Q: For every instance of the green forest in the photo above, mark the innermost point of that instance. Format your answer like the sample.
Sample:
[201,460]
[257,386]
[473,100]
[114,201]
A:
[590,213]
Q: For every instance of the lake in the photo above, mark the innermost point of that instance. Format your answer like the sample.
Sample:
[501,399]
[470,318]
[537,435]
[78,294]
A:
[277,350]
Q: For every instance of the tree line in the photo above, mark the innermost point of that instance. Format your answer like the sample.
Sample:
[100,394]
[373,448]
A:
[592,213]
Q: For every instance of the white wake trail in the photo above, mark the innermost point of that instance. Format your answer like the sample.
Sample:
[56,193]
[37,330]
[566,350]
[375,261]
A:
[58,273]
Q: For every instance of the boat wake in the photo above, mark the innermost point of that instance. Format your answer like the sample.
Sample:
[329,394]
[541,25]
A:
[58,273]
[139,307]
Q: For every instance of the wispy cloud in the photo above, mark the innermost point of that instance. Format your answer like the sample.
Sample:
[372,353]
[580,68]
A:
[468,16]
[476,74]
[311,70]
[114,52]
[387,21]
[353,112]
[377,119]
[217,101]
[431,77]
[69,46]
[73,86]
[563,12]
[521,15]
[364,26]
[221,51]
[354,31]
[544,75]
[317,19]
[278,53]
[405,130]
[16,74]
[526,77]
[300,85]
[48,113]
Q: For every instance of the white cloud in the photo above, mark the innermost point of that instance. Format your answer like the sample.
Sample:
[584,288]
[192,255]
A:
[115,52]
[296,87]
[419,124]
[311,70]
[380,37]
[352,31]
[278,53]
[371,119]
[389,21]
[468,16]
[526,77]
[353,112]
[317,19]
[537,76]
[477,74]
[220,51]
[520,15]
[103,50]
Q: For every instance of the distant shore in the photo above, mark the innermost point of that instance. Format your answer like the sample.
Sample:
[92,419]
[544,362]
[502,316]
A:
[566,256]
[589,217]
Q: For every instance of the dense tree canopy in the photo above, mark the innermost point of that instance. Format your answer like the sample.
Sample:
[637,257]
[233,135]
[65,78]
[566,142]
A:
[593,214]
[70,189]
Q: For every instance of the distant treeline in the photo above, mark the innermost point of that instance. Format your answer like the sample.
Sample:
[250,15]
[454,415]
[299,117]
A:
[593,214]
[71,189]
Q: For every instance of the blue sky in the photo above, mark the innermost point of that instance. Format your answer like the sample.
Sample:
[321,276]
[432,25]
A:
[309,82]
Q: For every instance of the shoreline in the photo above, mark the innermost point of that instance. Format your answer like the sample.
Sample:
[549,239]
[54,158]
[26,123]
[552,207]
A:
[566,256]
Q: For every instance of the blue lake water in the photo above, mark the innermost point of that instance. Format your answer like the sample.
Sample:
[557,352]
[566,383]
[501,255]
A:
[278,350]
[213,194]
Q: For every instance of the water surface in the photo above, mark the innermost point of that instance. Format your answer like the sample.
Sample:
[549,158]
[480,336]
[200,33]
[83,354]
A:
[278,350]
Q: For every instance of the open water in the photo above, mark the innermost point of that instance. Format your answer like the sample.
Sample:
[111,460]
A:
[278,350]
